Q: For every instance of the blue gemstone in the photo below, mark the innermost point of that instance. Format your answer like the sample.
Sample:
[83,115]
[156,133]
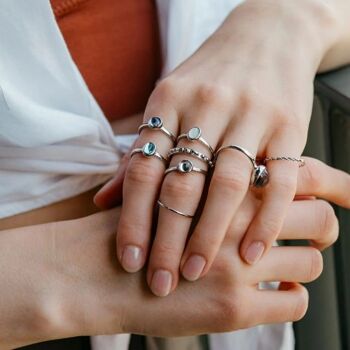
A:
[149,149]
[155,122]
[185,166]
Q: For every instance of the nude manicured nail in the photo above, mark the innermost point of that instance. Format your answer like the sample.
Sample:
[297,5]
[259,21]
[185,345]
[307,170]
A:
[132,258]
[161,283]
[193,267]
[254,252]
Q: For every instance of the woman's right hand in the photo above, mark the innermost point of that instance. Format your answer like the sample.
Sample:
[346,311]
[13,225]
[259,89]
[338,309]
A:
[111,300]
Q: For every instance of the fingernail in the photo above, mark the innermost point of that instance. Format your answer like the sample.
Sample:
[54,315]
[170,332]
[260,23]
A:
[161,283]
[254,252]
[193,267]
[132,258]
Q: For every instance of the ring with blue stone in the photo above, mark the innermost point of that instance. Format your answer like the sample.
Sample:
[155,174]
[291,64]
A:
[185,167]
[156,123]
[195,134]
[260,175]
[149,150]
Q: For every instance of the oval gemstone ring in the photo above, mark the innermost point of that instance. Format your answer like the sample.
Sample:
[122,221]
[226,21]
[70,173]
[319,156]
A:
[156,123]
[185,167]
[149,150]
[195,134]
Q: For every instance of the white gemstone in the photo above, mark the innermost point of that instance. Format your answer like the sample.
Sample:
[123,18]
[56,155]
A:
[194,133]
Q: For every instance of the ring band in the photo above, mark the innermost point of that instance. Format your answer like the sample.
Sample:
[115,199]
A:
[161,204]
[149,150]
[300,161]
[191,152]
[156,123]
[195,134]
[260,175]
[185,167]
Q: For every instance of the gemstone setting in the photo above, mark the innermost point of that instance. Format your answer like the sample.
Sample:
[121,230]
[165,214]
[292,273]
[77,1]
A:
[185,166]
[194,133]
[155,123]
[149,149]
[260,176]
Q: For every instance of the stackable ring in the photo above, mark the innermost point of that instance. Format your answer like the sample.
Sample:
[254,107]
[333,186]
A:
[161,204]
[192,152]
[149,150]
[300,161]
[195,134]
[185,167]
[156,123]
[260,175]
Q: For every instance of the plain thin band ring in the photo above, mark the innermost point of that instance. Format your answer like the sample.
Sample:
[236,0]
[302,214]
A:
[156,123]
[160,203]
[300,161]
[240,149]
[185,167]
[195,134]
[191,152]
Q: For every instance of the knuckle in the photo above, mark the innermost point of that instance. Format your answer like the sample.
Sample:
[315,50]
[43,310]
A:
[179,187]
[328,224]
[140,172]
[301,305]
[234,181]
[284,184]
[164,255]
[312,177]
[269,228]
[213,94]
[166,90]
[316,264]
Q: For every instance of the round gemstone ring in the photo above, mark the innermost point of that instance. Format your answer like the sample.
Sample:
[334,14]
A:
[195,134]
[156,123]
[149,150]
[185,167]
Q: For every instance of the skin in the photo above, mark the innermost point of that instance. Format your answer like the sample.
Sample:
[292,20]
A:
[62,279]
[250,85]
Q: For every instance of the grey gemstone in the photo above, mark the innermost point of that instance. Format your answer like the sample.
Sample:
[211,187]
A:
[155,122]
[149,149]
[185,166]
[194,133]
[260,176]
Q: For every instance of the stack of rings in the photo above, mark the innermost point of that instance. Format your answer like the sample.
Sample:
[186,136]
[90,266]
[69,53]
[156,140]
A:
[259,177]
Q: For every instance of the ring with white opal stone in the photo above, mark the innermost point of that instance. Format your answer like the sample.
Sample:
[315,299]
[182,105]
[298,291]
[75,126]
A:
[156,123]
[185,167]
[195,134]
[260,175]
[149,150]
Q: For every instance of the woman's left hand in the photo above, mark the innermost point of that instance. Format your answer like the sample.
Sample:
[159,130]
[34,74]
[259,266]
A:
[251,85]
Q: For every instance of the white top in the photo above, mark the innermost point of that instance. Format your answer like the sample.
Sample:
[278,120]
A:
[55,141]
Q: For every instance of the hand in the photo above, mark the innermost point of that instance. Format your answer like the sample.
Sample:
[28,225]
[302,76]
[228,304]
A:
[227,299]
[240,88]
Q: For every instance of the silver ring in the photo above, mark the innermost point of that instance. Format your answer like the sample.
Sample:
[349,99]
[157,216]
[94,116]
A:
[300,161]
[260,175]
[149,150]
[156,123]
[195,134]
[191,152]
[160,203]
[185,167]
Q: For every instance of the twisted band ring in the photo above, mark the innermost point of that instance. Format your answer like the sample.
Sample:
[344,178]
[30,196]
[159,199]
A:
[300,161]
[191,152]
